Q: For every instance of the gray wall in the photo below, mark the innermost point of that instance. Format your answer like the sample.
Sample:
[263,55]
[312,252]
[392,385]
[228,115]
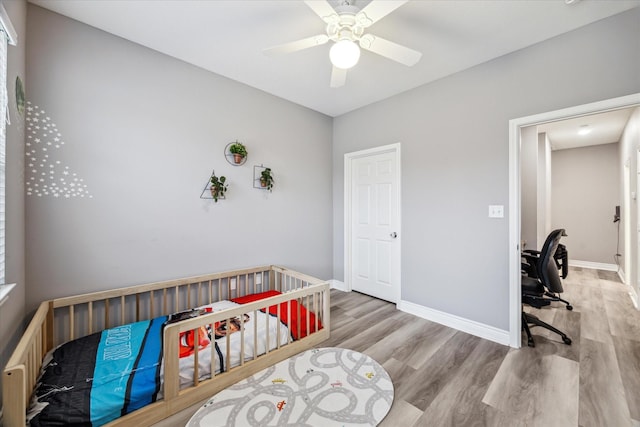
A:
[455,146]
[144,131]
[585,190]
[12,312]
[529,187]
[544,188]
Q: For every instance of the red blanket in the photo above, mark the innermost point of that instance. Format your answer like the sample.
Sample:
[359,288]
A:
[298,322]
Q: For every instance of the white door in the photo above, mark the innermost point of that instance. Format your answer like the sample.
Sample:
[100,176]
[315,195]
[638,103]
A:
[374,225]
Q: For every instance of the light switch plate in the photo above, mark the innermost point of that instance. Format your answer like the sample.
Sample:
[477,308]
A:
[496,211]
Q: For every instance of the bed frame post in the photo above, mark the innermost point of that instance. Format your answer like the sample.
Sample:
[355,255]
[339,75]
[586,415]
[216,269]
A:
[326,320]
[13,396]
[171,361]
[48,329]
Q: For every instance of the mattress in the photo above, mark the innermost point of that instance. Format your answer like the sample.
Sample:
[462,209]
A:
[219,351]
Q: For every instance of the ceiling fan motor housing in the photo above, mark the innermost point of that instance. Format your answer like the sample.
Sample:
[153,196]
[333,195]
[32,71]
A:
[348,24]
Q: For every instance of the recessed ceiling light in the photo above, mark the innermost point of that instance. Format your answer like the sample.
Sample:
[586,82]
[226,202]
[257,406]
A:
[584,130]
[571,1]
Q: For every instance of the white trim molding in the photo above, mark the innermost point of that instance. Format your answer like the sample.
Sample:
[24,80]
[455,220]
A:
[481,330]
[622,276]
[633,294]
[4,292]
[634,297]
[593,265]
[338,285]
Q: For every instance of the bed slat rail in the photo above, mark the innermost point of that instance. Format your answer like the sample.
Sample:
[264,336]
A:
[316,295]
[94,312]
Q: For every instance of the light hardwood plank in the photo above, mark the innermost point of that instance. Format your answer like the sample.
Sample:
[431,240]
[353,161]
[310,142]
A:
[424,387]
[361,324]
[595,326]
[624,319]
[401,414]
[628,356]
[602,397]
[529,385]
[384,349]
[361,341]
[466,388]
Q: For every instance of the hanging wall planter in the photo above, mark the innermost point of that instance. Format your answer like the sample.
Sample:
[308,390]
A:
[262,178]
[216,187]
[266,179]
[236,153]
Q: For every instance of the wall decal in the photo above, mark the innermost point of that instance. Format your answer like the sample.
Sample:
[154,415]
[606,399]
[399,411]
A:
[46,174]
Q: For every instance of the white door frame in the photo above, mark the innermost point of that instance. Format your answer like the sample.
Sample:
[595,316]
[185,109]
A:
[348,158]
[515,308]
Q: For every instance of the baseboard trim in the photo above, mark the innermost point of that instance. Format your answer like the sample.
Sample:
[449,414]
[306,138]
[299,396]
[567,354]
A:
[621,276]
[465,325]
[593,265]
[634,297]
[337,284]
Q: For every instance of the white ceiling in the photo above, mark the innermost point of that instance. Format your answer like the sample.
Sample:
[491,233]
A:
[606,128]
[227,37]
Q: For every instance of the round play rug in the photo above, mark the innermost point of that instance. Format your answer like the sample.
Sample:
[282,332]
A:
[320,387]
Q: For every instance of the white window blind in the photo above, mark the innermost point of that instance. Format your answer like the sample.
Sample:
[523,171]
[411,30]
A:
[7,35]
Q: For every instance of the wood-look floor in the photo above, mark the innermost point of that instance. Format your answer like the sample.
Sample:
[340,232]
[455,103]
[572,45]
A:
[444,377]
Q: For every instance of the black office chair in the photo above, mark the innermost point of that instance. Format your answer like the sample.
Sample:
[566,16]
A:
[536,290]
[561,259]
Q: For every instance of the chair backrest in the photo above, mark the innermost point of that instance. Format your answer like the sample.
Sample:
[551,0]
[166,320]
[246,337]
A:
[546,267]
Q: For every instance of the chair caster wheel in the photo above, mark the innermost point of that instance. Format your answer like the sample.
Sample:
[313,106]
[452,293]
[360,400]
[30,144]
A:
[531,343]
[566,340]
[569,307]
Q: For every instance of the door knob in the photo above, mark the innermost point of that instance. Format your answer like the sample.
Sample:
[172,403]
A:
[394,235]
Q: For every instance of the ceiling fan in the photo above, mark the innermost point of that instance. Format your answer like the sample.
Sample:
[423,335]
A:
[346,26]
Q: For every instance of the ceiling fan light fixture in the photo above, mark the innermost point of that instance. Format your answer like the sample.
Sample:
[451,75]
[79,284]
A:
[344,54]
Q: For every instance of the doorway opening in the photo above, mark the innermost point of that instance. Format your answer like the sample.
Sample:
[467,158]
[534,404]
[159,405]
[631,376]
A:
[515,193]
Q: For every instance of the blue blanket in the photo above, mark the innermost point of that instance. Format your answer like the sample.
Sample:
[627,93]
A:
[95,379]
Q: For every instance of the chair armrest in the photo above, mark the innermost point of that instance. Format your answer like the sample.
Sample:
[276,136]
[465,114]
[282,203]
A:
[531,252]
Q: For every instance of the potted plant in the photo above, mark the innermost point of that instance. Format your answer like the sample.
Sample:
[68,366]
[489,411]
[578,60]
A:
[218,187]
[266,179]
[239,151]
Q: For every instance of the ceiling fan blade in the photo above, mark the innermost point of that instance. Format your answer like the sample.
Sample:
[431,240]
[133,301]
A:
[297,45]
[324,10]
[391,50]
[338,77]
[376,10]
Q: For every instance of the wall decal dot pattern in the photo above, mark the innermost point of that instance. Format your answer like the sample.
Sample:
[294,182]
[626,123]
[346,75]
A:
[46,174]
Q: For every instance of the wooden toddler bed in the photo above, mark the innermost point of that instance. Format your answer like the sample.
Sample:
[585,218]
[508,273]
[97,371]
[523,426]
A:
[284,312]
